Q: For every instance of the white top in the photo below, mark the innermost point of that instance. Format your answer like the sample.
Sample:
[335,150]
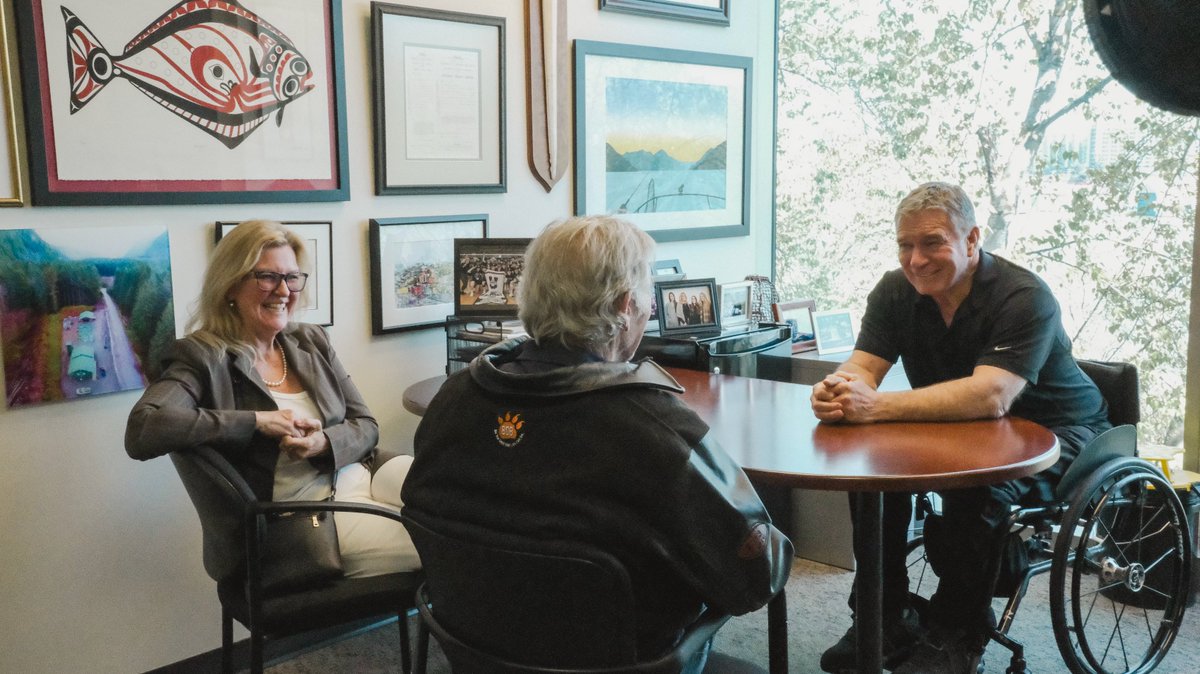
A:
[297,479]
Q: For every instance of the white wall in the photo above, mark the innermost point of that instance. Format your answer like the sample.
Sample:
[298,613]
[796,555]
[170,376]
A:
[100,563]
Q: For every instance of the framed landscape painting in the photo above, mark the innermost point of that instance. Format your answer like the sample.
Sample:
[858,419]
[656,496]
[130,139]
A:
[86,311]
[316,304]
[662,138]
[173,102]
[413,271]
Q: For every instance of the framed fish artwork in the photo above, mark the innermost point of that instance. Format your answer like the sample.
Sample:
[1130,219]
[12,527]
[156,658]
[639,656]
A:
[183,102]
[439,101]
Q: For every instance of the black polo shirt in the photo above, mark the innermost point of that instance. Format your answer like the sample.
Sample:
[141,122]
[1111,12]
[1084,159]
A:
[1009,320]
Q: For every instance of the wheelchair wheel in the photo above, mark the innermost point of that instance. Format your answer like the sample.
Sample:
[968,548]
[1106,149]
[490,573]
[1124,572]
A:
[922,581]
[1120,571]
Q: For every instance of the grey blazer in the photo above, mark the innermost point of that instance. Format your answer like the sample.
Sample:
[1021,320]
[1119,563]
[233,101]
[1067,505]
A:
[208,397]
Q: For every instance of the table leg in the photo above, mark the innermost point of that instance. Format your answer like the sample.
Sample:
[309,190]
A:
[869,591]
[777,633]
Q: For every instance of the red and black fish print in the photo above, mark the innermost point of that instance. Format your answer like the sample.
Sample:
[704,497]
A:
[212,62]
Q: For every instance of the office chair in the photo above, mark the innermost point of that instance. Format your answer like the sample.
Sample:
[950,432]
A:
[1115,543]
[500,603]
[233,520]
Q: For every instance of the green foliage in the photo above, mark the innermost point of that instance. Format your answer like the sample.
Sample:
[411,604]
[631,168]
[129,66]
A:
[875,98]
[164,336]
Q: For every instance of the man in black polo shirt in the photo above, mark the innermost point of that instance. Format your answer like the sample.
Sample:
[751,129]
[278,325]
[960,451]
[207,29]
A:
[980,337]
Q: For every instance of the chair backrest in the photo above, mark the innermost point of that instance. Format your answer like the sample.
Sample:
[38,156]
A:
[545,603]
[220,497]
[1118,383]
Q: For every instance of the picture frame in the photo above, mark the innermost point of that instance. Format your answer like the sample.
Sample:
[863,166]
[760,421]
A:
[426,62]
[674,298]
[94,139]
[12,181]
[317,301]
[680,175]
[420,287]
[667,270]
[486,275]
[798,315]
[735,304]
[703,11]
[834,331]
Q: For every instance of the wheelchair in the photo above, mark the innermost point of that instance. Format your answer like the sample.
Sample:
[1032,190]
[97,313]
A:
[1115,542]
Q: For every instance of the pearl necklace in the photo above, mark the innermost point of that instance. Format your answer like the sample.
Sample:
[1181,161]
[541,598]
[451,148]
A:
[283,358]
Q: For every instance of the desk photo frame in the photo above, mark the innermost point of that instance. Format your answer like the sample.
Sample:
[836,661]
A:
[798,315]
[735,304]
[678,315]
[835,331]
[486,275]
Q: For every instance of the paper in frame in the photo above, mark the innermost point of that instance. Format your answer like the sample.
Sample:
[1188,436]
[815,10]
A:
[438,101]
[735,301]
[680,315]
[703,11]
[12,184]
[835,331]
[316,303]
[192,137]
[679,176]
[413,284]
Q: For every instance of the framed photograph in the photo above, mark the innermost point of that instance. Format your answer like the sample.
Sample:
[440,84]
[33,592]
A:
[88,311]
[439,101]
[179,102]
[486,275]
[704,11]
[735,304]
[662,137]
[667,270]
[413,282]
[834,331]
[12,185]
[316,304]
[687,307]
[798,315]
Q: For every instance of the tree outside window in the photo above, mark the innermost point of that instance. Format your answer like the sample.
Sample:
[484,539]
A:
[1071,175]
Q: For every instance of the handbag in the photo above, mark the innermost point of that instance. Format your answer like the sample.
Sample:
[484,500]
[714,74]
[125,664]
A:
[298,549]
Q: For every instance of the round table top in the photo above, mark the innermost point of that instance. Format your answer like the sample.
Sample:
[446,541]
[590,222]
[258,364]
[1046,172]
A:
[769,428]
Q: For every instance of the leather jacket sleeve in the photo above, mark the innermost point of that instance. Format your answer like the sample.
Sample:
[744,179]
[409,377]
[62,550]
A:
[726,545]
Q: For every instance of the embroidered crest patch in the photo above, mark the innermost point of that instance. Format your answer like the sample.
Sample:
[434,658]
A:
[508,429]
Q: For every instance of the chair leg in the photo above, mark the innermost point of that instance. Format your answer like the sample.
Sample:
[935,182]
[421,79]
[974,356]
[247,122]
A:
[422,655]
[256,652]
[226,642]
[405,655]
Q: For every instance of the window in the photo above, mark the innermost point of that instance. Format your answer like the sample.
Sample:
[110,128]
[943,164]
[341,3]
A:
[1071,175]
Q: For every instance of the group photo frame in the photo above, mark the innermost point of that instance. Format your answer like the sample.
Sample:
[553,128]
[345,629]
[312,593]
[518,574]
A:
[439,101]
[316,302]
[679,175]
[702,11]
[12,160]
[413,279]
[89,70]
[487,273]
[687,307]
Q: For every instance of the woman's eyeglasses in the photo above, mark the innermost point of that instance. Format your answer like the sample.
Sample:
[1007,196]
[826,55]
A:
[268,280]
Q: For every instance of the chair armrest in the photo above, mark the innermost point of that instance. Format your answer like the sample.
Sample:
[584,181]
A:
[257,508]
[704,628]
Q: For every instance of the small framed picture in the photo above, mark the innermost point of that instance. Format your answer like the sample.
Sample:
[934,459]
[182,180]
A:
[834,331]
[798,315]
[686,307]
[486,275]
[316,304]
[667,270]
[735,304]
[412,269]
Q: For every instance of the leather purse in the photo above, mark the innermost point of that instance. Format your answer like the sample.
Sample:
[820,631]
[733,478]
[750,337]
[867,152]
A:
[299,549]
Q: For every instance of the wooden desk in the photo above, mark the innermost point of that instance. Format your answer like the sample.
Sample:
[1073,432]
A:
[769,428]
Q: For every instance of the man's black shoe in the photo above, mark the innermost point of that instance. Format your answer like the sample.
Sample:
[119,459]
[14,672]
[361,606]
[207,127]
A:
[944,651]
[900,635]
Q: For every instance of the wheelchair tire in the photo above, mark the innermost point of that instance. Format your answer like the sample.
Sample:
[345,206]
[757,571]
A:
[1120,571]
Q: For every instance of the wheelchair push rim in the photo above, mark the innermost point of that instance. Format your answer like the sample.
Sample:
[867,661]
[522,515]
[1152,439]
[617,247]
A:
[1120,573]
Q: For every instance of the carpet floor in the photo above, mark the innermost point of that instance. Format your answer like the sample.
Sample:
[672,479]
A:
[817,614]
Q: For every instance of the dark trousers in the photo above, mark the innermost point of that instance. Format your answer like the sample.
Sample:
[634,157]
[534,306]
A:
[971,533]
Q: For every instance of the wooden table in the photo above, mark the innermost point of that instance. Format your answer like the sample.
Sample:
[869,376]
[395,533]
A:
[769,428]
